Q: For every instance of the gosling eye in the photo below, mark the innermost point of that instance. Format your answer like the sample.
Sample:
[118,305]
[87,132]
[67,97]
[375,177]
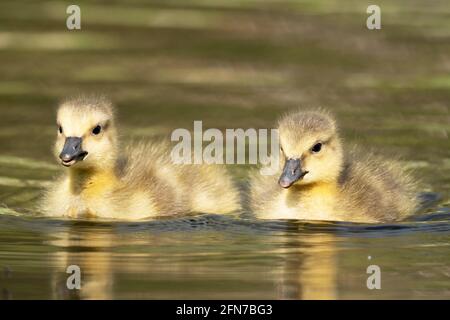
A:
[316,148]
[97,130]
[60,129]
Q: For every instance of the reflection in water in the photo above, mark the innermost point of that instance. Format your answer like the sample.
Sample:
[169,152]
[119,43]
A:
[89,250]
[311,273]
[5,276]
[217,257]
[307,269]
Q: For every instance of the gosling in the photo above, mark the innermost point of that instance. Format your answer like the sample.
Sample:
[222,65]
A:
[317,180]
[106,181]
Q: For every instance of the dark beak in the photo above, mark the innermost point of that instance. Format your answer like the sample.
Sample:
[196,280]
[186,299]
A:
[292,172]
[72,151]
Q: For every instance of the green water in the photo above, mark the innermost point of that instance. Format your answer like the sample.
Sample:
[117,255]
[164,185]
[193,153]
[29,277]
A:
[232,64]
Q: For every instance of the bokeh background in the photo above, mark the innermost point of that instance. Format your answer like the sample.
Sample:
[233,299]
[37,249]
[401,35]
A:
[232,64]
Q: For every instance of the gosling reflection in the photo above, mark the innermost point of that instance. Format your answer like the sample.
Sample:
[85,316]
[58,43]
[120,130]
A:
[90,250]
[309,271]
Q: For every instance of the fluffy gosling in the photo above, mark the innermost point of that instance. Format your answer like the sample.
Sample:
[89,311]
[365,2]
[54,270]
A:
[319,181]
[139,181]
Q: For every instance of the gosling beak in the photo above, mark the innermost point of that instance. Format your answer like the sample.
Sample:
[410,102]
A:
[72,151]
[292,172]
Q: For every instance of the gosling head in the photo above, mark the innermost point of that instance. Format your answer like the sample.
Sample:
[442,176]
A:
[86,136]
[311,149]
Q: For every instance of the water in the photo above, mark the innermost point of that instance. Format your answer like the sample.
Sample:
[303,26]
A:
[232,64]
[221,257]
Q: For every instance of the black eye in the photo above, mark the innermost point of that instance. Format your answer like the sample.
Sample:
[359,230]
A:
[60,129]
[97,130]
[317,147]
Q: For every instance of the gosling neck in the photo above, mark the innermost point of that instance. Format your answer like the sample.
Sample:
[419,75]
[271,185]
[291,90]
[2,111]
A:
[81,178]
[320,187]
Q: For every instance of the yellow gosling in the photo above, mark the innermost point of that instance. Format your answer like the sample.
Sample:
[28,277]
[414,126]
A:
[139,181]
[319,181]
